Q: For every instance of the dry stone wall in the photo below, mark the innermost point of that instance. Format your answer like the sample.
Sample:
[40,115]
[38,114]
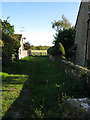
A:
[77,72]
[78,108]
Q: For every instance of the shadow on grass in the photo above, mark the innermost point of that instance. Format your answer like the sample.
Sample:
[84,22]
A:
[17,109]
[23,66]
[22,106]
[41,93]
[20,68]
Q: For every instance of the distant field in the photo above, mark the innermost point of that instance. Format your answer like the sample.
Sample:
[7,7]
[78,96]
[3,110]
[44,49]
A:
[39,52]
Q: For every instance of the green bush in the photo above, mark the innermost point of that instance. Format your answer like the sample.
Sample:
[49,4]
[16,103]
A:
[8,41]
[9,48]
[61,48]
[88,63]
[66,38]
[16,39]
[56,50]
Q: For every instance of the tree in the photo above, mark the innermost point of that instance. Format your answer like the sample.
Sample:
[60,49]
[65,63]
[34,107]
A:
[24,39]
[7,48]
[7,27]
[11,43]
[16,43]
[65,23]
[61,24]
[66,37]
[65,33]
[26,45]
[40,47]
[32,47]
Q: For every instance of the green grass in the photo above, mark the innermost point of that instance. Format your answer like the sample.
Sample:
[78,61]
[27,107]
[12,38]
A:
[12,85]
[34,87]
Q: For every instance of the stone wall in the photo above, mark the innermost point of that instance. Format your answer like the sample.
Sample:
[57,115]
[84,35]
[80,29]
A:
[23,54]
[78,73]
[38,52]
[89,32]
[81,33]
[77,108]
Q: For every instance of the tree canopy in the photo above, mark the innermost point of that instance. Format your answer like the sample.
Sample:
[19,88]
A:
[64,37]
[61,24]
[40,47]
[7,27]
[10,43]
[26,45]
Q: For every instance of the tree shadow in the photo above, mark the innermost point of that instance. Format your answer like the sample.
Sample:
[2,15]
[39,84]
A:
[23,107]
[19,108]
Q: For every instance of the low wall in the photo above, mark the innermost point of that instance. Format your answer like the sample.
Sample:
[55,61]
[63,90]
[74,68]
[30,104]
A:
[24,53]
[75,71]
[38,52]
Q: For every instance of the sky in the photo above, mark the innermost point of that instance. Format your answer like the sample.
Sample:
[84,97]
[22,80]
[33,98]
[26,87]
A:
[35,18]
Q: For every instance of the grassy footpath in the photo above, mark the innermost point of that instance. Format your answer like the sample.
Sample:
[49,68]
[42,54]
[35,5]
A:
[34,87]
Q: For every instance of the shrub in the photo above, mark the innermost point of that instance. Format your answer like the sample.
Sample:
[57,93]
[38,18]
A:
[7,49]
[66,38]
[10,46]
[61,48]
[8,41]
[1,43]
[88,64]
[56,50]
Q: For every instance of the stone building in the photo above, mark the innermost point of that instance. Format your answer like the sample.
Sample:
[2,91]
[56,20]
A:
[22,53]
[82,37]
[21,47]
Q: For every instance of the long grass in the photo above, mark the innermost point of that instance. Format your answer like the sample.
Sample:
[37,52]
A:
[34,87]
